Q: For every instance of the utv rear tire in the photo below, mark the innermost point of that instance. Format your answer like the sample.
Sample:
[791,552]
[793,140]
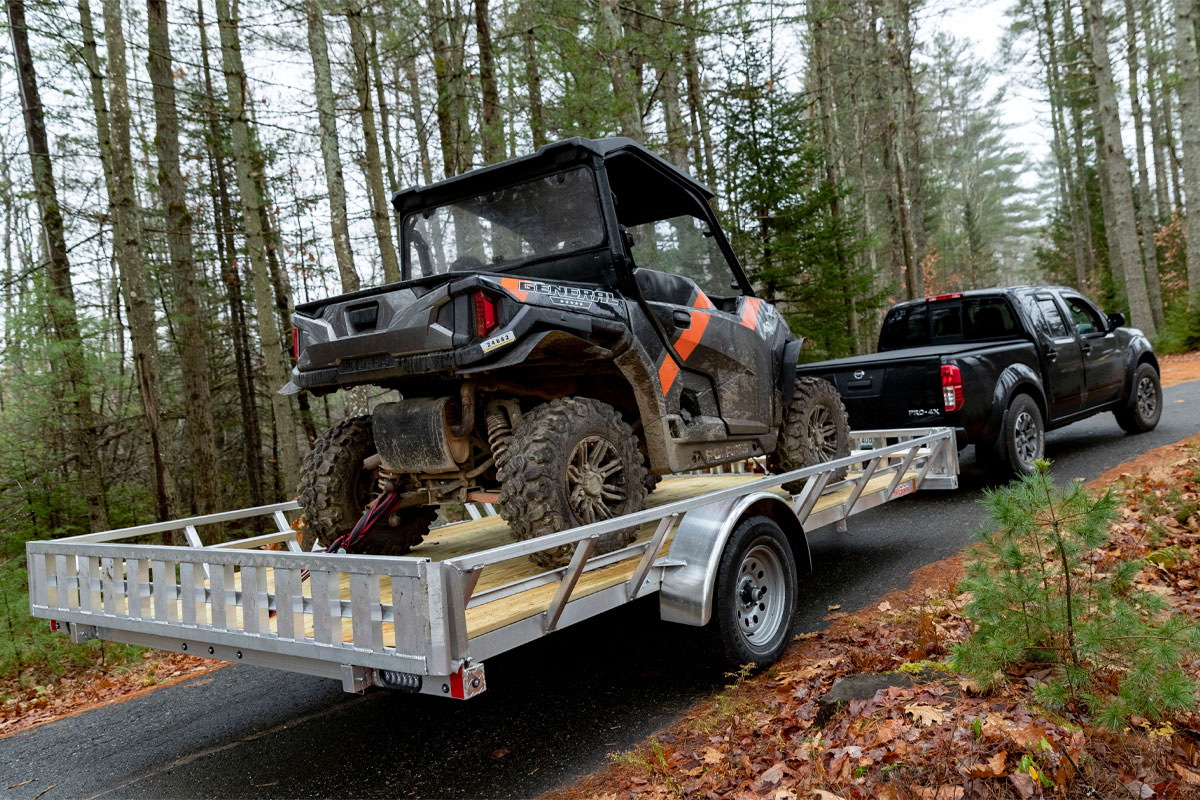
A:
[549,481]
[815,429]
[1144,408]
[334,491]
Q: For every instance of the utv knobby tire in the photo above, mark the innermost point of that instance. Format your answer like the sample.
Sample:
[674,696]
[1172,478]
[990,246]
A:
[335,490]
[534,498]
[815,429]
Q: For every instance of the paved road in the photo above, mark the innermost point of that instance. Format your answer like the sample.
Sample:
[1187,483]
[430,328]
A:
[554,709]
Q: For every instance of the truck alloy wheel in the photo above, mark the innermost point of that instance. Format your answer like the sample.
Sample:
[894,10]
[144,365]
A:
[1025,437]
[572,461]
[756,593]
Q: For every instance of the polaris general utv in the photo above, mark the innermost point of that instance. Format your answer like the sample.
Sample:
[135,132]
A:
[570,326]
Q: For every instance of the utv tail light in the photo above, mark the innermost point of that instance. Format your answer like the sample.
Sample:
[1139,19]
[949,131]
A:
[952,387]
[485,314]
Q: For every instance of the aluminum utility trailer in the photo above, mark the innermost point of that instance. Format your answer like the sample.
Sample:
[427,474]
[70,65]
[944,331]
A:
[427,622]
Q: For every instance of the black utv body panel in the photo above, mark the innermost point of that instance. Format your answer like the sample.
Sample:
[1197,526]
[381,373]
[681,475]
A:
[522,279]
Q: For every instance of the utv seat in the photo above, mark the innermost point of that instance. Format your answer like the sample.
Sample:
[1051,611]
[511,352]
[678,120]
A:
[663,287]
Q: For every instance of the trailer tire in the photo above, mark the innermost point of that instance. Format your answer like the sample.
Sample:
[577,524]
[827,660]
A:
[755,596]
[334,491]
[536,489]
[815,429]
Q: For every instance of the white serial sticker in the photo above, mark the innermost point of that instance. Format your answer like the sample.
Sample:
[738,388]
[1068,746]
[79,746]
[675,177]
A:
[508,337]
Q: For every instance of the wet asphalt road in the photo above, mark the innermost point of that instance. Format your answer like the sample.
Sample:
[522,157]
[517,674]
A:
[554,710]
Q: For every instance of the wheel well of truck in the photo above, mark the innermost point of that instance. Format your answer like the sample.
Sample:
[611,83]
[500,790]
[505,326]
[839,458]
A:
[1147,357]
[1034,392]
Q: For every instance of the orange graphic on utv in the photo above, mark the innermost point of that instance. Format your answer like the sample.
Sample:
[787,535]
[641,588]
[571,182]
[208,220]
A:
[687,341]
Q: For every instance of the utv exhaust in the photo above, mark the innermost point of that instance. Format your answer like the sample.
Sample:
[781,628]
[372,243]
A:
[417,435]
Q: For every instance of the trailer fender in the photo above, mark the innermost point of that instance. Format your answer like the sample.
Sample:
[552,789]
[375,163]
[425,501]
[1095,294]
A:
[687,590]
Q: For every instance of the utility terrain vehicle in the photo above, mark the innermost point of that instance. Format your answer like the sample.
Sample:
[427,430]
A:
[570,326]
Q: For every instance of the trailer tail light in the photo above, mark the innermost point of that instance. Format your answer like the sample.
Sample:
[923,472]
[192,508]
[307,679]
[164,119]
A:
[485,314]
[952,387]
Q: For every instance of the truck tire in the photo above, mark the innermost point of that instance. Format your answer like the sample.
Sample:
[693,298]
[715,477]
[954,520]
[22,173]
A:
[1144,408]
[1022,441]
[754,600]
[815,429]
[334,491]
[553,476]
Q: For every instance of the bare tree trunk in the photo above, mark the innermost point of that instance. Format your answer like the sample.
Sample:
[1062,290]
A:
[1145,206]
[492,129]
[1120,189]
[389,160]
[330,154]
[1081,170]
[127,247]
[193,343]
[533,75]
[1186,17]
[702,131]
[628,104]
[417,112]
[375,188]
[69,363]
[268,331]
[1153,82]
[230,277]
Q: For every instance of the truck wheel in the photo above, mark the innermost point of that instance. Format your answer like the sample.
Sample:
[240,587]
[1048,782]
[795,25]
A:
[334,491]
[1024,438]
[572,461]
[1144,408]
[815,429]
[755,595]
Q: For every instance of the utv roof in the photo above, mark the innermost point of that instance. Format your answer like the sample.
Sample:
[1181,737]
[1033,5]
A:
[550,157]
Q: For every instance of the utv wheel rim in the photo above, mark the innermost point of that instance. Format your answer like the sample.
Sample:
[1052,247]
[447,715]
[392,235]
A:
[760,595]
[1147,398]
[595,480]
[1026,438]
[822,432]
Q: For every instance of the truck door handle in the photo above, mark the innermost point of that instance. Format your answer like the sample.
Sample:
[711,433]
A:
[1086,349]
[682,319]
[1051,354]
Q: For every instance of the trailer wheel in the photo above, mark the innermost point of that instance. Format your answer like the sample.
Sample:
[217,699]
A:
[815,429]
[572,461]
[334,491]
[755,595]
[1144,408]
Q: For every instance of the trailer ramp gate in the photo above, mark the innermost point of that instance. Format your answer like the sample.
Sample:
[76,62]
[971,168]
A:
[423,622]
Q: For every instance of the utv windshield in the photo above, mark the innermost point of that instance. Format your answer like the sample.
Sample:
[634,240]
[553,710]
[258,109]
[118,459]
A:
[532,221]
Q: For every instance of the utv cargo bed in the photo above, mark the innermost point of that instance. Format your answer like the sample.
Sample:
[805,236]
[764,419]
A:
[427,621]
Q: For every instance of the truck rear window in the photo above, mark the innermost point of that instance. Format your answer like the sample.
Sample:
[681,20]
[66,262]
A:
[968,319]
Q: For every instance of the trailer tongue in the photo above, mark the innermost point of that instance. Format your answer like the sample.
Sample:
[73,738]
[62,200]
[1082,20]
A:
[723,546]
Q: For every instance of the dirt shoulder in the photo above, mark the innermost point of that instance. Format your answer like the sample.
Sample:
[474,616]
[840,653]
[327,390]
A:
[941,737]
[1175,369]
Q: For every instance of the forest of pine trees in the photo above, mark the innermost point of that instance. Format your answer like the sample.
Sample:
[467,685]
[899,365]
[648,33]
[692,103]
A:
[177,175]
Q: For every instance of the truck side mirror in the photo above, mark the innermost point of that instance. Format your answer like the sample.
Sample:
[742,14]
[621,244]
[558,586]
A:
[1116,320]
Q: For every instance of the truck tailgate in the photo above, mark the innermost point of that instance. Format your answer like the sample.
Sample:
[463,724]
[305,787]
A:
[892,388]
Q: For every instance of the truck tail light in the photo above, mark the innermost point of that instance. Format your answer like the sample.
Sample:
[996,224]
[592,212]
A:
[295,344]
[485,314]
[952,387]
[937,297]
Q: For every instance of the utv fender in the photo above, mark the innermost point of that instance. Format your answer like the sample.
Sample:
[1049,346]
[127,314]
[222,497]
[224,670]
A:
[635,368]
[686,595]
[787,369]
[1015,379]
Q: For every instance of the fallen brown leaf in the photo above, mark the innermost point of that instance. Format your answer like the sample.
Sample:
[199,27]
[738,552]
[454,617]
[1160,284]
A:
[994,768]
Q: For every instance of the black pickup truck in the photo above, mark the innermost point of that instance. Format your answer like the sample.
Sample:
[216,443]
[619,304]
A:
[1001,366]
